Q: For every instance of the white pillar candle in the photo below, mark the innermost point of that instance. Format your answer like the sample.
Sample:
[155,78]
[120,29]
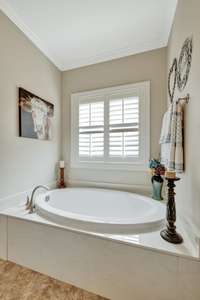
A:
[62,164]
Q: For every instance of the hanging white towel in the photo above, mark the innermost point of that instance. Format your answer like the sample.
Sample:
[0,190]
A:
[171,138]
[166,126]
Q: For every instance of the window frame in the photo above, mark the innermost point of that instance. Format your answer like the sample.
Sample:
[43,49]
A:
[141,89]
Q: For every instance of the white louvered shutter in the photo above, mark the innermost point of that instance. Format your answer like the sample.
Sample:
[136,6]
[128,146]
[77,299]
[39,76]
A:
[110,128]
[91,130]
[124,127]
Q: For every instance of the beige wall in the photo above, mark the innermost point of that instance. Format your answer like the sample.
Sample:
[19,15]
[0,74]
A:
[25,162]
[146,66]
[187,22]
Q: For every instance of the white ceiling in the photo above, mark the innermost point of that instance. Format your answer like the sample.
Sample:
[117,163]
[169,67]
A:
[74,33]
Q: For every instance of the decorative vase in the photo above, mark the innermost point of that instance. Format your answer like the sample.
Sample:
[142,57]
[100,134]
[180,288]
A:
[157,184]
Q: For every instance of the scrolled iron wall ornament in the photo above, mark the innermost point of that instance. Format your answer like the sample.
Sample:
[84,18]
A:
[172,78]
[184,63]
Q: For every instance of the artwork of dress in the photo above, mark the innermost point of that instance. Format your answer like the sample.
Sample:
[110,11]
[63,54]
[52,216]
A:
[35,116]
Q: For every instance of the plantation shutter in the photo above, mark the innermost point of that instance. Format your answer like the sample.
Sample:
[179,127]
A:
[121,127]
[124,127]
[110,128]
[91,129]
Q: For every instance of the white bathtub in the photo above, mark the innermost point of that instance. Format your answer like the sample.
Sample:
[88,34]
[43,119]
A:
[101,210]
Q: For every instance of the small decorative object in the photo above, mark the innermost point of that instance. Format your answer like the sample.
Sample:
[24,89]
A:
[61,183]
[157,171]
[169,234]
[172,78]
[184,64]
[34,116]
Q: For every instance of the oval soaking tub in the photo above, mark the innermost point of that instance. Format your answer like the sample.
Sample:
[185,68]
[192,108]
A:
[100,210]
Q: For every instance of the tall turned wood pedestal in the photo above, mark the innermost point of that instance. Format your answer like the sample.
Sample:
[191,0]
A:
[169,234]
[61,183]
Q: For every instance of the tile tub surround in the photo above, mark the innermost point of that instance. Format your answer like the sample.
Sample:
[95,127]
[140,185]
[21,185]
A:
[114,270]
[21,283]
[115,266]
[15,207]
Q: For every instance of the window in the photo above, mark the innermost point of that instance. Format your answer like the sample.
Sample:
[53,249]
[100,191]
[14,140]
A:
[110,127]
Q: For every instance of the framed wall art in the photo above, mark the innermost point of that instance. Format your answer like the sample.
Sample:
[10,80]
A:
[35,116]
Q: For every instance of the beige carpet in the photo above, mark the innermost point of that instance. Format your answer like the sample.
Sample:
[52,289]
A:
[19,283]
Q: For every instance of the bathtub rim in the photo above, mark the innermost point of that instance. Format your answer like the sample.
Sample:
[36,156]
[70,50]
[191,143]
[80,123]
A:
[80,222]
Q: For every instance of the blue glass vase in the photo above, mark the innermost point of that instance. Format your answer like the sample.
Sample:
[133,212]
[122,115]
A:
[157,184]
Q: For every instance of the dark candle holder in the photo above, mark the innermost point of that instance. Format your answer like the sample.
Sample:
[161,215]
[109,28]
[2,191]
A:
[169,234]
[61,183]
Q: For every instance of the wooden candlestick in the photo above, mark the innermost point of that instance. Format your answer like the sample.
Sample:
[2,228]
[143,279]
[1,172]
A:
[61,183]
[169,234]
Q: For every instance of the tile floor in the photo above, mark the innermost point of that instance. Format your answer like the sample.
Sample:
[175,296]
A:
[19,283]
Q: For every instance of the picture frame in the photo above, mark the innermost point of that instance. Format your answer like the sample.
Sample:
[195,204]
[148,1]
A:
[35,116]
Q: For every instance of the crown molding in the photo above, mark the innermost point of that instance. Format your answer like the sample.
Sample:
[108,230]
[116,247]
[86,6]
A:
[12,15]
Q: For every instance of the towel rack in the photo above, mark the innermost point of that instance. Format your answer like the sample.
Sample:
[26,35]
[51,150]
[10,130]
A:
[186,98]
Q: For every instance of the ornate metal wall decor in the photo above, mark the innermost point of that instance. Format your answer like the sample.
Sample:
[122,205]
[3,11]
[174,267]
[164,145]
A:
[172,78]
[184,64]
